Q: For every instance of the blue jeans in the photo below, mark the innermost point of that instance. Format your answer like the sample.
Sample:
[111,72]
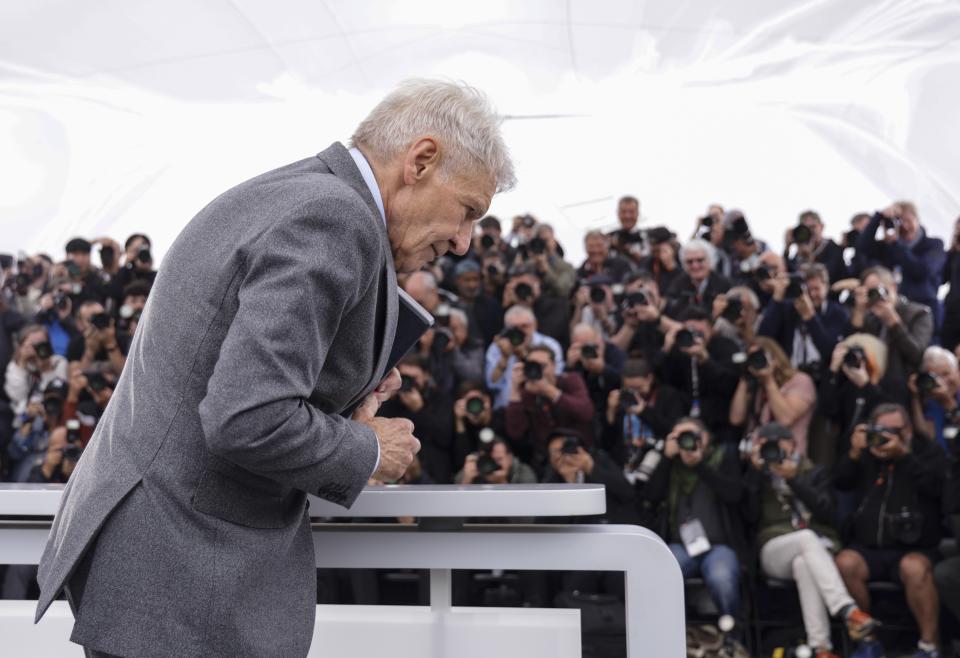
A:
[720,570]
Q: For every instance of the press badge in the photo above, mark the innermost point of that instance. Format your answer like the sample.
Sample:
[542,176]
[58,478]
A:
[694,537]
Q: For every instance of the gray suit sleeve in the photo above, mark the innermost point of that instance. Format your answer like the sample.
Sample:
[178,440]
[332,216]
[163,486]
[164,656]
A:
[300,278]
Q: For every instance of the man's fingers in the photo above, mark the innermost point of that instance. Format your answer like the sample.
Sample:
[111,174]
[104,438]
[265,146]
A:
[367,410]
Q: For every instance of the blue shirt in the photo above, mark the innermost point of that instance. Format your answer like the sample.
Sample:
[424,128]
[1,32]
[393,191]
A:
[501,387]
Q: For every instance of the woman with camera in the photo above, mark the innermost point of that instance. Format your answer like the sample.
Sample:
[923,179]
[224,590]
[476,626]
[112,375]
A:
[33,366]
[789,499]
[771,389]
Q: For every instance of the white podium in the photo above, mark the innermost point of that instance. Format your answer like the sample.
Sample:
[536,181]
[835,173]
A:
[439,542]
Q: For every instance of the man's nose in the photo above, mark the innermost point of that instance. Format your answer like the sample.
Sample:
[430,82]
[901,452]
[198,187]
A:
[461,243]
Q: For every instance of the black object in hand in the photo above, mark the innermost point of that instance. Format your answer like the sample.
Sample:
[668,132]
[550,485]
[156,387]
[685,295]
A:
[688,441]
[532,370]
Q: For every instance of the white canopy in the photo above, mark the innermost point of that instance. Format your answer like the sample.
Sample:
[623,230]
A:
[129,115]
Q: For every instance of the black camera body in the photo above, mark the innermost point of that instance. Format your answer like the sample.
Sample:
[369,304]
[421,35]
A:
[875,436]
[571,445]
[487,241]
[688,441]
[475,406]
[757,360]
[854,357]
[144,255]
[514,335]
[802,234]
[628,399]
[926,383]
[100,320]
[638,298]
[442,337]
[598,294]
[537,246]
[532,371]
[590,351]
[906,525]
[686,338]
[891,224]
[44,350]
[733,310]
[771,453]
[523,291]
[95,380]
[795,288]
[486,465]
[407,383]
[877,294]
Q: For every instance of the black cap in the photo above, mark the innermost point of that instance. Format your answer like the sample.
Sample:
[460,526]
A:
[660,234]
[774,431]
[564,432]
[78,245]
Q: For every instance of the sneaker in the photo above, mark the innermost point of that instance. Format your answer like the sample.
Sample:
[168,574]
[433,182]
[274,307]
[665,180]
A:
[860,624]
[923,653]
[869,649]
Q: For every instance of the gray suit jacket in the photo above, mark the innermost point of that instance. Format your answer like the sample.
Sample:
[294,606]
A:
[274,310]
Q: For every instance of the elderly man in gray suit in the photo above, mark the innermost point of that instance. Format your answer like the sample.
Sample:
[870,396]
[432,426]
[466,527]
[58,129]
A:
[184,529]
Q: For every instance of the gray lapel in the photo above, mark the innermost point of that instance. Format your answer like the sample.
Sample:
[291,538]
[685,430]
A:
[341,165]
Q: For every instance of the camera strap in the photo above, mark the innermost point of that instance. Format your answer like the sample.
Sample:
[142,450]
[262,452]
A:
[694,388]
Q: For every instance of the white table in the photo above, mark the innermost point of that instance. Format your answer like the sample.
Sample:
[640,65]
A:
[440,542]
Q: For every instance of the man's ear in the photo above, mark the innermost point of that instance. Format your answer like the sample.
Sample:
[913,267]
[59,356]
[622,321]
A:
[420,161]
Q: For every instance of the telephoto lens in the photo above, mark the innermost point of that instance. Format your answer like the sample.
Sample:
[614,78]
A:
[733,309]
[532,370]
[638,298]
[688,440]
[597,294]
[475,406]
[684,339]
[854,356]
[538,246]
[523,291]
[571,445]
[100,320]
[771,453]
[589,351]
[877,294]
[44,350]
[515,336]
[757,360]
[802,234]
[487,241]
[926,382]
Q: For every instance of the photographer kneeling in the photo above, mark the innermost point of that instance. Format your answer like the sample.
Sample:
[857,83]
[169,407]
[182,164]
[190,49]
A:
[895,531]
[789,498]
[494,463]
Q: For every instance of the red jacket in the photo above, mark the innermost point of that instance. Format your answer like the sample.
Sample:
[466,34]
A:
[534,417]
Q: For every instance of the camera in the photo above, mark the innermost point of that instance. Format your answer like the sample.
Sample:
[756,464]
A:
[795,288]
[96,380]
[100,320]
[407,383]
[72,269]
[73,430]
[486,465]
[532,371]
[877,294]
[475,406]
[514,335]
[686,338]
[926,383]
[589,351]
[762,273]
[44,350]
[638,298]
[53,406]
[493,270]
[707,221]
[107,256]
[771,453]
[538,246]
[875,436]
[487,241]
[891,224]
[906,526]
[441,338]
[733,309]
[757,360]
[628,399]
[61,301]
[854,357]
[688,441]
[802,234]
[597,294]
[72,453]
[528,221]
[523,291]
[571,445]
[143,254]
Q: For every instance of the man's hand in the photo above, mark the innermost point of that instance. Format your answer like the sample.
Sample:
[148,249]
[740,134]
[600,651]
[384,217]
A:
[787,469]
[886,311]
[858,441]
[804,307]
[398,445]
[389,386]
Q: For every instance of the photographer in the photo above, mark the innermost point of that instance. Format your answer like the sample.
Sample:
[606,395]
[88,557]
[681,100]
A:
[96,341]
[431,412]
[472,413]
[44,412]
[643,325]
[811,248]
[905,326]
[699,362]
[137,266]
[702,487]
[33,366]
[807,326]
[950,333]
[594,305]
[640,412]
[553,313]
[541,400]
[627,241]
[484,313]
[699,284]
[89,282]
[762,276]
[744,248]
[906,249]
[895,531]
[449,352]
[518,336]
[789,500]
[711,228]
[850,389]
[28,285]
[735,315]
[770,389]
[494,464]
[600,260]
[599,362]
[558,277]
[934,394]
[663,263]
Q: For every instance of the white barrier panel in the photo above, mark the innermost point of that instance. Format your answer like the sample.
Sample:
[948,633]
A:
[344,632]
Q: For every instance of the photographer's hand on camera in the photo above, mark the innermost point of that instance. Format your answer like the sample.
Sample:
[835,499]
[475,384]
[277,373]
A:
[719,305]
[858,441]
[836,359]
[804,307]
[858,376]
[886,311]
[77,382]
[54,456]
[779,285]
[570,466]
[470,469]
[697,351]
[670,447]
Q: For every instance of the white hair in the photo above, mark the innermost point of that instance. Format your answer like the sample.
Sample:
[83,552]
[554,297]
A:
[703,246]
[460,315]
[515,311]
[425,279]
[742,292]
[461,118]
[938,355]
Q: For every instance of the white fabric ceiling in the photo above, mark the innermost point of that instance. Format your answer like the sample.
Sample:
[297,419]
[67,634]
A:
[127,115]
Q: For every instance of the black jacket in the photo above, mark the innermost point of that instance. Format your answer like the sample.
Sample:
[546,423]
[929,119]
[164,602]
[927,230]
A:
[682,293]
[886,489]
[620,494]
[669,406]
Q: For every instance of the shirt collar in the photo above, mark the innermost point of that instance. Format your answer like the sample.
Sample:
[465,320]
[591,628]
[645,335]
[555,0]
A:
[369,179]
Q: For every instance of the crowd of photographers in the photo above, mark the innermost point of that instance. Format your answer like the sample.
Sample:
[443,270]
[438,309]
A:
[790,415]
